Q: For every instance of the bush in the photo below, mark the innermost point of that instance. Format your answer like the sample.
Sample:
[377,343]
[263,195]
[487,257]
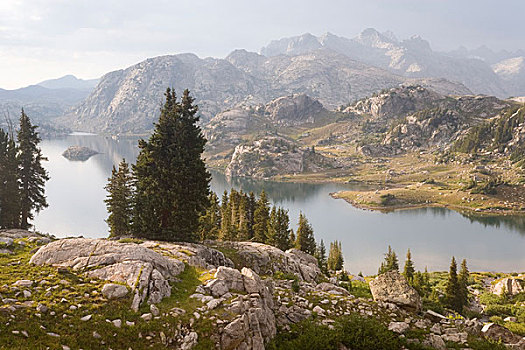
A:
[498,310]
[387,199]
[354,331]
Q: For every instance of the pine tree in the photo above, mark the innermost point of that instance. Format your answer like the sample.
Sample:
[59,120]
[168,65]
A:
[210,222]
[172,186]
[226,231]
[390,263]
[251,214]
[335,257]
[463,277]
[305,240]
[9,186]
[320,255]
[261,218]
[409,270]
[243,231]
[452,288]
[31,174]
[119,200]
[279,229]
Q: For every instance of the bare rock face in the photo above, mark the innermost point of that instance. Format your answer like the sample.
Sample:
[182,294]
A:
[296,109]
[79,153]
[255,323]
[267,260]
[509,285]
[393,288]
[145,271]
[194,254]
[274,155]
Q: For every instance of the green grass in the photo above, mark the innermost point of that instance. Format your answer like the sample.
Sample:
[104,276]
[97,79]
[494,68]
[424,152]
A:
[79,334]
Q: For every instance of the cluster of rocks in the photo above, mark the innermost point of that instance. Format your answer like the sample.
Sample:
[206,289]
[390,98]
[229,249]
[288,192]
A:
[8,237]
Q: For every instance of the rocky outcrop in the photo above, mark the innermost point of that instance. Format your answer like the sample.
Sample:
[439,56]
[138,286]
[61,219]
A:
[267,260]
[412,118]
[295,110]
[79,153]
[254,323]
[221,306]
[197,255]
[275,155]
[509,286]
[391,287]
[9,237]
[501,334]
[145,271]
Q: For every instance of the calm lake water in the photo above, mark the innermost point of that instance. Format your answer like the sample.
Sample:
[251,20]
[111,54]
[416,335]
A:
[76,192]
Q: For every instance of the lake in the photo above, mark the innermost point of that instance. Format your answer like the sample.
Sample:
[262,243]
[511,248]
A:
[76,193]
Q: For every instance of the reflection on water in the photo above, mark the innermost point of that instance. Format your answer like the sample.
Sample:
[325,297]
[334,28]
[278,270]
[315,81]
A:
[76,193]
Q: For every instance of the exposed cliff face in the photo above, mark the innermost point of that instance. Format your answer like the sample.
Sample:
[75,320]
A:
[295,110]
[129,100]
[274,155]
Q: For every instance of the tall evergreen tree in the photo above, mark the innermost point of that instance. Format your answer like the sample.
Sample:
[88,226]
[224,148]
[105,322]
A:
[243,230]
[31,174]
[305,240]
[320,255]
[452,289]
[226,231]
[210,222]
[9,187]
[261,218]
[463,277]
[172,184]
[119,201]
[335,256]
[279,229]
[252,202]
[409,270]
[391,263]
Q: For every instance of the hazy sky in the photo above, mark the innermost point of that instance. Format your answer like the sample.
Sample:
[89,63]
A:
[42,39]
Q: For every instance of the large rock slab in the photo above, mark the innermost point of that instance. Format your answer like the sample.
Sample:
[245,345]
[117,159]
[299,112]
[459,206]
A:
[197,255]
[147,272]
[393,288]
[267,260]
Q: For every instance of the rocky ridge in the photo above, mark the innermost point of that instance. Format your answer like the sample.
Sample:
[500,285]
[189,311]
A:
[127,101]
[412,57]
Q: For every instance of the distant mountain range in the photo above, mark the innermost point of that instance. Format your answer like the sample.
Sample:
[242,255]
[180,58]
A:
[481,70]
[46,100]
[331,69]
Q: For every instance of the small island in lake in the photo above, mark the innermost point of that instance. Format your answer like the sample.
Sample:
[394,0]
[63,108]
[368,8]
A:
[79,153]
